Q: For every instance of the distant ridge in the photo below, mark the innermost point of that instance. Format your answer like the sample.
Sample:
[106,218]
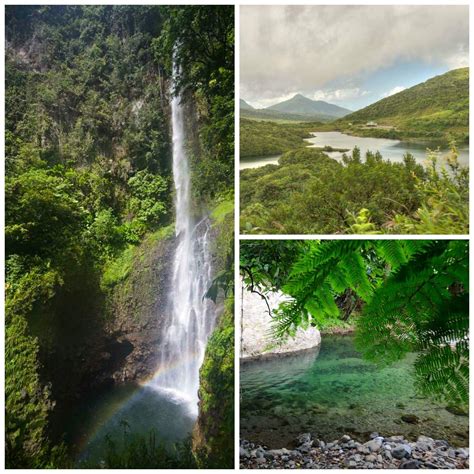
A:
[298,108]
[301,105]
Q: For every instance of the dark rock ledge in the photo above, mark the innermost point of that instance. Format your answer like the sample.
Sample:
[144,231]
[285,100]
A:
[393,452]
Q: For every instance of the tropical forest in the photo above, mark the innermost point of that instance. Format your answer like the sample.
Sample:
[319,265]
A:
[355,354]
[119,139]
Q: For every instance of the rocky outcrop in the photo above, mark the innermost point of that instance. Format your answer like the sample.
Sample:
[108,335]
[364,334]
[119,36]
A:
[137,307]
[393,452]
[257,326]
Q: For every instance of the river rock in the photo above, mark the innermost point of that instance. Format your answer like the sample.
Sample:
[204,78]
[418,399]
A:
[374,445]
[303,438]
[442,457]
[305,447]
[403,451]
[243,453]
[412,419]
[412,464]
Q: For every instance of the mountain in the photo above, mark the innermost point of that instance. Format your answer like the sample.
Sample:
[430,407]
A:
[301,105]
[434,109]
[245,105]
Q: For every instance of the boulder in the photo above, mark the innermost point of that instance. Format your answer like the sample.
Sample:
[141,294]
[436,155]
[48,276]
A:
[402,451]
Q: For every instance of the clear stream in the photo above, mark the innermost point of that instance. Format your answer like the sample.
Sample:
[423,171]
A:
[392,150]
[333,391]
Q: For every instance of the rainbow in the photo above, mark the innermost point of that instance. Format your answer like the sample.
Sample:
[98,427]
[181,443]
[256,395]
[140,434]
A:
[111,410]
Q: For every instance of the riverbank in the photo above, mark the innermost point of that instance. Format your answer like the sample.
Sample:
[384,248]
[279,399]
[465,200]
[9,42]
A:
[394,452]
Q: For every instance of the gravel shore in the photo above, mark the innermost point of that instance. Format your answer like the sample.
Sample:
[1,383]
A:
[393,452]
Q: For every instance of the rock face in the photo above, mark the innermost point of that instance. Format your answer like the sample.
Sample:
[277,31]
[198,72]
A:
[257,327]
[137,308]
[393,452]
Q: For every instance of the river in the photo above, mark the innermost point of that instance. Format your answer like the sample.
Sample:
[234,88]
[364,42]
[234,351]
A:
[334,391]
[392,150]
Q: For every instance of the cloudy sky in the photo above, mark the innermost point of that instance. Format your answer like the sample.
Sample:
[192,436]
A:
[347,55]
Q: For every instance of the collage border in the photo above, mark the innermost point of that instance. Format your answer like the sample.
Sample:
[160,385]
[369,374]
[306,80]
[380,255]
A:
[237,235]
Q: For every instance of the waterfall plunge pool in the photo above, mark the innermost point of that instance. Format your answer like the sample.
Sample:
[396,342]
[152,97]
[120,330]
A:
[131,408]
[332,391]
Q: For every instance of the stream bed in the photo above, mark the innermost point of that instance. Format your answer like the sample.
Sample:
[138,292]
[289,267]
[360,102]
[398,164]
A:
[332,391]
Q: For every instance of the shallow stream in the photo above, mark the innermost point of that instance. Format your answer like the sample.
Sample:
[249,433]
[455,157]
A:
[333,391]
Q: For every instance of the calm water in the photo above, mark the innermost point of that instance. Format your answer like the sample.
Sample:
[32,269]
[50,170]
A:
[392,150]
[137,410]
[257,161]
[333,391]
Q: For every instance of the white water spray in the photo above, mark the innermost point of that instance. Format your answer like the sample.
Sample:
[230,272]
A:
[191,317]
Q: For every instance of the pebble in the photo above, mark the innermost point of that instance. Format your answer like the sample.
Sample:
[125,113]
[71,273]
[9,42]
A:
[378,452]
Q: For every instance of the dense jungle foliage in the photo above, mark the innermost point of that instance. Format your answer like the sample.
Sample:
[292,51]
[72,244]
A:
[308,192]
[437,109]
[88,171]
[411,296]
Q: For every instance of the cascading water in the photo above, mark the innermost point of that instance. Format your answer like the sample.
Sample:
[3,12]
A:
[191,316]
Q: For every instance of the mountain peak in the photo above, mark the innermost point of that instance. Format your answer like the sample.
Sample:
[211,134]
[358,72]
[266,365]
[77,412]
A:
[299,104]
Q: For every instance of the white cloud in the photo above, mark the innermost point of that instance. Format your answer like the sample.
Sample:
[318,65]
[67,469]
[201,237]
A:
[395,90]
[335,95]
[303,48]
[267,102]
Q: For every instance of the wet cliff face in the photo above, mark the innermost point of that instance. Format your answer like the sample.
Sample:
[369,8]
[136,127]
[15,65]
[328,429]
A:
[137,308]
[213,435]
[105,334]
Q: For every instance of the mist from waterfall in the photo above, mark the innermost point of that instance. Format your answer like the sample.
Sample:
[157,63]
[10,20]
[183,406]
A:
[191,317]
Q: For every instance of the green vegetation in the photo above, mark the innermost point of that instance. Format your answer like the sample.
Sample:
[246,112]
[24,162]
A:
[413,295]
[270,138]
[437,109]
[214,433]
[308,192]
[144,452]
[88,178]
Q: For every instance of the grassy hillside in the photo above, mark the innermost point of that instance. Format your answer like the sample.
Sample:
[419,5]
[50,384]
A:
[270,138]
[275,116]
[436,109]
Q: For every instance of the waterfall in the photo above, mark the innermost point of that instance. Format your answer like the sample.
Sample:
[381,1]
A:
[191,316]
